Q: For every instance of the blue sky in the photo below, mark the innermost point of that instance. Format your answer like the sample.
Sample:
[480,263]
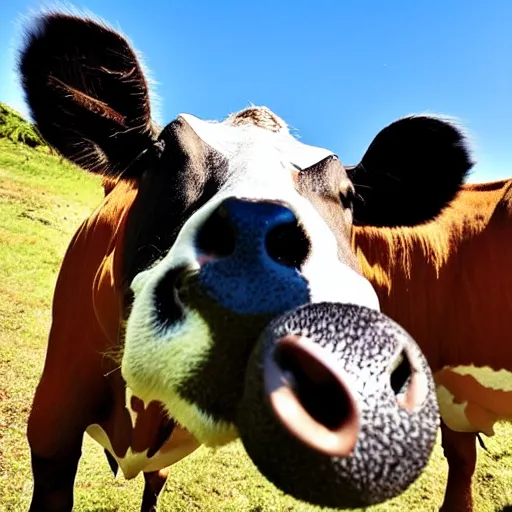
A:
[336,71]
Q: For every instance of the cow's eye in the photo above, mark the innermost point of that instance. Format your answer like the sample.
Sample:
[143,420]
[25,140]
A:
[347,198]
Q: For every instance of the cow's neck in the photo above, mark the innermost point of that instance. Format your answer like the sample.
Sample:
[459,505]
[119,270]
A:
[407,291]
[434,278]
[412,269]
[448,284]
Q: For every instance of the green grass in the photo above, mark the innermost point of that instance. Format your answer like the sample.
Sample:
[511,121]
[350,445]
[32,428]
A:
[15,128]
[42,202]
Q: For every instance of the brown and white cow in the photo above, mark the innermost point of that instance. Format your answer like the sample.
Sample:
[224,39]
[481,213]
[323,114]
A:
[449,284]
[207,231]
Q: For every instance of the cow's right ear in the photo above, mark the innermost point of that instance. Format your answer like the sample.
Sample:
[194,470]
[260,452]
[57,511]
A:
[413,169]
[86,92]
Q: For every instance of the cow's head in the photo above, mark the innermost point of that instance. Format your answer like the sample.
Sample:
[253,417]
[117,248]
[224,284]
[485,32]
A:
[234,222]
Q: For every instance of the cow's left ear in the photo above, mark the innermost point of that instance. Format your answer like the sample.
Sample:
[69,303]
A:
[411,171]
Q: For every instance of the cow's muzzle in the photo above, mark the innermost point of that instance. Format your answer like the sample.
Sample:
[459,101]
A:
[339,407]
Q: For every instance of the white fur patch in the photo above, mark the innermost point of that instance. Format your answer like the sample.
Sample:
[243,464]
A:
[128,400]
[232,141]
[491,379]
[179,446]
[455,415]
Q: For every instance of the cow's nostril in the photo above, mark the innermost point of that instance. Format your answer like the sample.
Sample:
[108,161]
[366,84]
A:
[409,385]
[167,304]
[216,237]
[401,374]
[318,391]
[287,244]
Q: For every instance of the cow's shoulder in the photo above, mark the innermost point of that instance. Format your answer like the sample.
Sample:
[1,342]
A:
[503,209]
[470,214]
[471,226]
[481,208]
[91,276]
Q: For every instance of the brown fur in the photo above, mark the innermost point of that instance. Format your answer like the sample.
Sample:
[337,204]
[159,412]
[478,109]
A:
[88,377]
[258,116]
[449,283]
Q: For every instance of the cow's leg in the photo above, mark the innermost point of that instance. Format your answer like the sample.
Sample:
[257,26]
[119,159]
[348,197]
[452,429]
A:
[154,482]
[460,452]
[55,432]
[54,479]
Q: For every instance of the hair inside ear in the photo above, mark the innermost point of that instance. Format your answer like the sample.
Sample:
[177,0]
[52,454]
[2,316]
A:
[86,91]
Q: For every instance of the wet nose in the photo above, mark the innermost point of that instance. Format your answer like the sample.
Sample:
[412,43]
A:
[308,395]
[344,396]
[251,252]
[266,230]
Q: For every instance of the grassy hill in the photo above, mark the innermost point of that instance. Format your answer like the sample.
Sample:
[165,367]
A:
[16,129]
[43,199]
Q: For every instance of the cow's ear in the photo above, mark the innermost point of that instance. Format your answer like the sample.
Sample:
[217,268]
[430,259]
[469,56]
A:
[411,171]
[86,92]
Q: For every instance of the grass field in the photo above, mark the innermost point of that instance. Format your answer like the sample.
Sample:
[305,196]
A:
[42,202]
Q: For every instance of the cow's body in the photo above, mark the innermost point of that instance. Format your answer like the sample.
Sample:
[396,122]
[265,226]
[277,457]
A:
[139,436]
[208,230]
[449,283]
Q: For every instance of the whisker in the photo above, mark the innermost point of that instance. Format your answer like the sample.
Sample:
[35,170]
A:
[112,371]
[362,186]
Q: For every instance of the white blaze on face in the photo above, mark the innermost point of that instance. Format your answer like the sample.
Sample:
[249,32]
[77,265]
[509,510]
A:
[262,164]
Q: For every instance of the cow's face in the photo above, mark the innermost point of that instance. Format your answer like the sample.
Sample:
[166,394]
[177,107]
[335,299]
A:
[234,223]
[249,223]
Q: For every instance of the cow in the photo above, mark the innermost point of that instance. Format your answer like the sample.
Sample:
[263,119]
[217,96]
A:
[206,232]
[448,284]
